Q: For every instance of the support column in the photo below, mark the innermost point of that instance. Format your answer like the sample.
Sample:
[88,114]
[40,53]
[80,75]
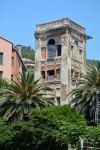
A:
[46,75]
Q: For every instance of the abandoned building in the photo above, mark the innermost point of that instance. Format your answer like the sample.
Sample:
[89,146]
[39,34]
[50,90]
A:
[60,56]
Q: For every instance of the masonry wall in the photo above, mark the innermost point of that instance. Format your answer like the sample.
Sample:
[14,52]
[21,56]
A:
[6,49]
[17,65]
[73,54]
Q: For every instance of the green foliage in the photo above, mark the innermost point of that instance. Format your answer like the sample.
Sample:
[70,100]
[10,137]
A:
[28,52]
[2,83]
[21,97]
[48,129]
[87,88]
[89,61]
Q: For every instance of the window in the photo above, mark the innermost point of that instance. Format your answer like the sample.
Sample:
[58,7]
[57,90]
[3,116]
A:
[43,74]
[1,58]
[19,63]
[1,73]
[51,75]
[43,52]
[80,55]
[12,77]
[71,47]
[72,50]
[72,73]
[76,42]
[53,50]
[59,50]
[12,62]
[58,74]
[58,101]
[51,42]
[76,74]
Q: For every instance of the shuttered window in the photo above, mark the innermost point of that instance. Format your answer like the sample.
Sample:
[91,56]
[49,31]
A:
[1,58]
[52,50]
[1,73]
[43,52]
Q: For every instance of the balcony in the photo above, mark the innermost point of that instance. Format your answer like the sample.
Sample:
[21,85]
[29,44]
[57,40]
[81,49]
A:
[51,78]
[51,63]
[76,64]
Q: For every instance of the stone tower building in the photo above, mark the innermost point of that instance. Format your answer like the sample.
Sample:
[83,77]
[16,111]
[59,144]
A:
[60,55]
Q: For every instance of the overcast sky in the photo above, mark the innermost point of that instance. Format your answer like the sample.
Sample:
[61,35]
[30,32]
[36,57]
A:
[18,19]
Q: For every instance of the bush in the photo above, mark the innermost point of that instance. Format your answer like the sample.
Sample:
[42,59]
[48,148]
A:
[48,129]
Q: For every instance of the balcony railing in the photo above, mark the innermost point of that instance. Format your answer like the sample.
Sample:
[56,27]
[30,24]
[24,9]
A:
[76,63]
[51,78]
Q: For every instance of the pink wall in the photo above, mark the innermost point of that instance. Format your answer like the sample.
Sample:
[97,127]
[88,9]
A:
[6,48]
[17,64]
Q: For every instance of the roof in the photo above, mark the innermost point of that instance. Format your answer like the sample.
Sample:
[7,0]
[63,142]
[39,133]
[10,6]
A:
[59,21]
[6,40]
[62,23]
[19,58]
[26,59]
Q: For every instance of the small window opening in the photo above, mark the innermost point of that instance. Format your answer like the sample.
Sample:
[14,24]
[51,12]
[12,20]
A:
[1,73]
[43,52]
[58,101]
[51,42]
[76,42]
[43,74]
[12,77]
[50,75]
[12,62]
[59,50]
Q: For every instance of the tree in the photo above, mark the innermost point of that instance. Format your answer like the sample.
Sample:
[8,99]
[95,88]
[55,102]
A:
[20,97]
[86,91]
[28,52]
[2,83]
[48,129]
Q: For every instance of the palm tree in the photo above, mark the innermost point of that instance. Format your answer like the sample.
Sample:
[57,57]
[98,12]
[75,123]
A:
[20,97]
[85,96]
[2,82]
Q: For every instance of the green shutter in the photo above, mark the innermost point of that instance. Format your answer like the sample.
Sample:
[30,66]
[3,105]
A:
[1,58]
[1,74]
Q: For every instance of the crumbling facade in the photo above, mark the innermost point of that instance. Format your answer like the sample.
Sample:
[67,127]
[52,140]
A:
[60,56]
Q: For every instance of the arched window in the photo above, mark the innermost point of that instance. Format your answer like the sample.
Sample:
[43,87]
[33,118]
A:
[76,42]
[52,48]
[51,42]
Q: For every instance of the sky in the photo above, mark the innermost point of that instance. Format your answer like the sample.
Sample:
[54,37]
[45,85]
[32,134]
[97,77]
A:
[19,19]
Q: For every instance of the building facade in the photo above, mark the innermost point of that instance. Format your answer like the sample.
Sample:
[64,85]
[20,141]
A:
[10,60]
[60,55]
[29,64]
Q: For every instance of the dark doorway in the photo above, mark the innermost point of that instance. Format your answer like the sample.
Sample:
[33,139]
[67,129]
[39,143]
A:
[59,50]
[58,101]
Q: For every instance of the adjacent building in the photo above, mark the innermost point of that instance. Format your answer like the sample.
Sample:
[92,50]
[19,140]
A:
[10,60]
[60,55]
[29,64]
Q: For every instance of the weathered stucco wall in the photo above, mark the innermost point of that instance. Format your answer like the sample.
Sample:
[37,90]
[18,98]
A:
[72,39]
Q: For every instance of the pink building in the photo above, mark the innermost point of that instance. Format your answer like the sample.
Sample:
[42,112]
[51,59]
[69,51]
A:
[10,60]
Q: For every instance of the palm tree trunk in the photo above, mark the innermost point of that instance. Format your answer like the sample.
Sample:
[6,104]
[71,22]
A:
[97,110]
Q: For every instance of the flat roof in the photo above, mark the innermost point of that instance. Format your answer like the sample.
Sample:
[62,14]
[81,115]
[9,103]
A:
[61,20]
